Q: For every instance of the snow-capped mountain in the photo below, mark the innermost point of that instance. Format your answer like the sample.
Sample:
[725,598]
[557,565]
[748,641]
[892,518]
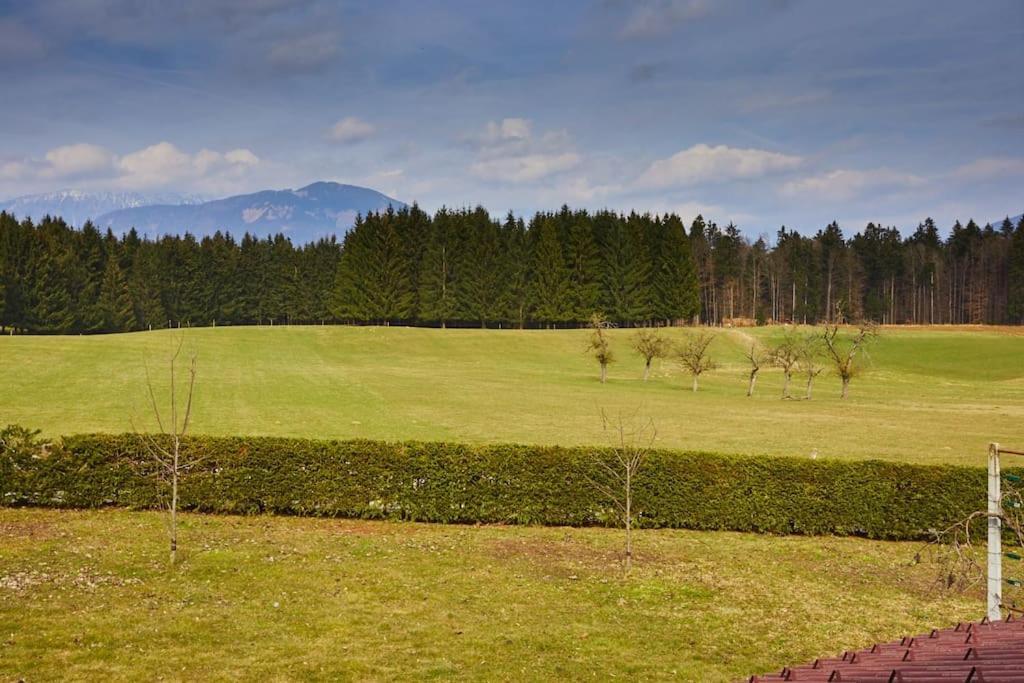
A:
[77,206]
[304,215]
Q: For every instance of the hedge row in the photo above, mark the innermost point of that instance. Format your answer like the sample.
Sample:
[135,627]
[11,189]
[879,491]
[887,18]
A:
[457,483]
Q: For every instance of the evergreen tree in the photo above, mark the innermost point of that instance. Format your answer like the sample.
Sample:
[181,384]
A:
[480,277]
[115,310]
[52,304]
[675,287]
[1016,275]
[624,269]
[516,271]
[549,291]
[436,277]
[584,262]
[374,281]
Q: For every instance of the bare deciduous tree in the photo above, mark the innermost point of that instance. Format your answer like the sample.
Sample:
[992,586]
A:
[692,353]
[786,355]
[810,362]
[757,357]
[649,343]
[165,447]
[631,442]
[842,352]
[599,344]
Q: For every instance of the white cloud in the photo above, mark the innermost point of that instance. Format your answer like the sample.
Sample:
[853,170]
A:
[164,164]
[655,17]
[525,168]
[846,184]
[303,52]
[989,168]
[350,129]
[508,151]
[702,163]
[158,166]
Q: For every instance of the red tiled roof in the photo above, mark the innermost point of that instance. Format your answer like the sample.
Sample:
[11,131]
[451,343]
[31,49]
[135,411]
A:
[972,653]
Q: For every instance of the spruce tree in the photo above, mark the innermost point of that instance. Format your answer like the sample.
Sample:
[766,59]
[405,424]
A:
[115,309]
[516,271]
[584,261]
[480,269]
[1015,274]
[549,291]
[625,269]
[436,271]
[675,287]
[52,303]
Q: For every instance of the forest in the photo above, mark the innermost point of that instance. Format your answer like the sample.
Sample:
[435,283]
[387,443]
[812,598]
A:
[462,268]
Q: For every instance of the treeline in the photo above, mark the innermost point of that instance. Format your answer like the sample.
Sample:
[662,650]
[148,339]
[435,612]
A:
[461,267]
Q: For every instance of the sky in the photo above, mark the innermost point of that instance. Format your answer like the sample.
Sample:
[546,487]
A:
[761,112]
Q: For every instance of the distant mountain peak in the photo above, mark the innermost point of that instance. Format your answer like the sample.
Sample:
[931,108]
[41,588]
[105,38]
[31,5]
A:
[317,210]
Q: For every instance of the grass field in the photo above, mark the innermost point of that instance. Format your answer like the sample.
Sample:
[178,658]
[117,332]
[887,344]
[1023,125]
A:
[88,595]
[927,395]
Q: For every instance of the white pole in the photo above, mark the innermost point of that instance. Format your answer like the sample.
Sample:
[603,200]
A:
[995,552]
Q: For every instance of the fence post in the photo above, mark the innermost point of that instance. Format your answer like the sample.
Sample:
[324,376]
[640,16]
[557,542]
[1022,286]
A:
[995,551]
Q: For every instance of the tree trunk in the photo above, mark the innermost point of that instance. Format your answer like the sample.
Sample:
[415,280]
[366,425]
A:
[647,369]
[785,384]
[750,385]
[810,384]
[695,382]
[846,387]
[604,372]
[629,519]
[174,509]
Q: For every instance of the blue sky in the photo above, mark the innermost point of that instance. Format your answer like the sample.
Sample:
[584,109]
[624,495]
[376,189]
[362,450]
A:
[764,112]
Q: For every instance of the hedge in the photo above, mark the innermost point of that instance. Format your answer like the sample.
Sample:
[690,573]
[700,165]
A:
[517,484]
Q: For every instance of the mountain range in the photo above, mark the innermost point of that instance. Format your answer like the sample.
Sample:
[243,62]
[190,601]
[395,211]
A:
[306,214]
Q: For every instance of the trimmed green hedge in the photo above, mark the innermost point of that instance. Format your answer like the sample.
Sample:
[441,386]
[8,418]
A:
[444,482]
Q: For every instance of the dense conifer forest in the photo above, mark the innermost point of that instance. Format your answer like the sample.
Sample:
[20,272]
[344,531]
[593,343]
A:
[460,267]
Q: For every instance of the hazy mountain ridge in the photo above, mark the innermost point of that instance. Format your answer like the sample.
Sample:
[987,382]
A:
[306,214]
[78,206]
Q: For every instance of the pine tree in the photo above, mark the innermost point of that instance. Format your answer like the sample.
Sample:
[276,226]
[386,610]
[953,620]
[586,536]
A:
[549,291]
[584,262]
[52,303]
[625,269]
[516,271]
[1016,274]
[436,276]
[144,288]
[480,269]
[374,281]
[116,313]
[675,287]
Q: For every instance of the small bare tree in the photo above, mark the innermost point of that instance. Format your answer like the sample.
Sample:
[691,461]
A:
[693,354]
[786,355]
[599,344]
[631,442]
[165,447]
[757,357]
[811,362]
[842,352]
[649,343]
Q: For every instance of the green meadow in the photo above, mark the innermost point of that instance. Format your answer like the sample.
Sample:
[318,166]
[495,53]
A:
[89,595]
[930,395]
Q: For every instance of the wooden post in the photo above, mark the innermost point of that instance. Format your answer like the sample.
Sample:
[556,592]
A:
[994,589]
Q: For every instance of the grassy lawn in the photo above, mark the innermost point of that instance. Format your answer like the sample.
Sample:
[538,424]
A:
[87,595]
[928,395]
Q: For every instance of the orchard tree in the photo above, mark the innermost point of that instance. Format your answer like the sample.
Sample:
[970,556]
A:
[599,345]
[842,352]
[649,343]
[757,357]
[693,354]
[786,355]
